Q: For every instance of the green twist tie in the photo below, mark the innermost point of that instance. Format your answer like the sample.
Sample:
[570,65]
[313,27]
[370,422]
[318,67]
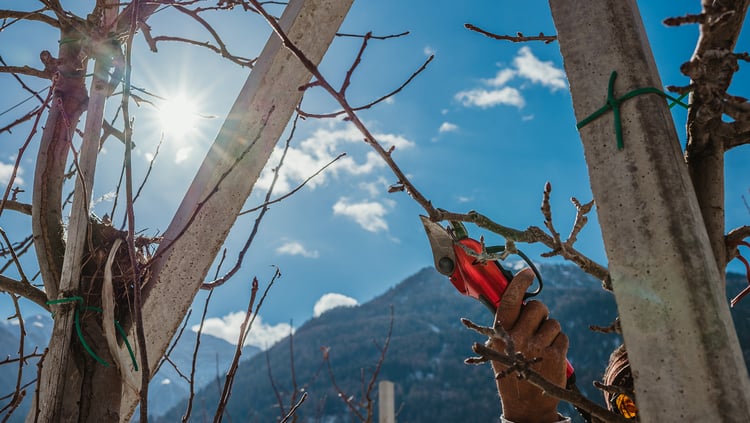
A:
[614,104]
[79,331]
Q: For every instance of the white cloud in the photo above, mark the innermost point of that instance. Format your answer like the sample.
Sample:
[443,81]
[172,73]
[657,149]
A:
[182,154]
[262,335]
[487,98]
[374,188]
[294,248]
[502,77]
[525,66]
[368,214]
[106,197]
[6,171]
[320,149]
[429,51]
[331,301]
[448,127]
[539,72]
[527,118]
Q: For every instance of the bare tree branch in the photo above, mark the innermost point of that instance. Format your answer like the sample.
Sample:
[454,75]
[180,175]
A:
[374,102]
[294,408]
[7,128]
[518,38]
[36,15]
[220,48]
[135,17]
[26,70]
[25,290]
[532,234]
[17,206]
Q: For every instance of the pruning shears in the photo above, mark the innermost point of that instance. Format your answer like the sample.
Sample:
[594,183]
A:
[456,256]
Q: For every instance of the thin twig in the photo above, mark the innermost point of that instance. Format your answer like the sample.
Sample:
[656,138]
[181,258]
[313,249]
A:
[23,84]
[293,191]
[18,393]
[294,408]
[148,172]
[130,213]
[518,38]
[34,15]
[194,361]
[374,102]
[25,145]
[221,49]
[24,358]
[274,388]
[39,367]
[264,209]
[247,324]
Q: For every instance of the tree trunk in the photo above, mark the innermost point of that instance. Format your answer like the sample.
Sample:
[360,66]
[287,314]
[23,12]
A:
[73,386]
[70,383]
[711,74]
[680,337]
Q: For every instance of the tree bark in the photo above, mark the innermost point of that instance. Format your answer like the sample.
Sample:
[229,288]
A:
[70,381]
[68,103]
[711,69]
[680,337]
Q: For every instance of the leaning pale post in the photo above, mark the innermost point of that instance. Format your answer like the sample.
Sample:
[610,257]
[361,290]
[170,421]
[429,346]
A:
[680,337]
[228,173]
[386,407]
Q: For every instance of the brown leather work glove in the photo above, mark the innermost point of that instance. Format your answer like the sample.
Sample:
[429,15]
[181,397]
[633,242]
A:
[534,335]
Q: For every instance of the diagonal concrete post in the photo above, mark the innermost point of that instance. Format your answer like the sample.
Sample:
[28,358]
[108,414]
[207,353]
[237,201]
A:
[680,337]
[229,171]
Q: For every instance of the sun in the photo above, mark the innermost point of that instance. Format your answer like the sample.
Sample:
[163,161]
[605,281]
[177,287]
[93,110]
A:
[178,117]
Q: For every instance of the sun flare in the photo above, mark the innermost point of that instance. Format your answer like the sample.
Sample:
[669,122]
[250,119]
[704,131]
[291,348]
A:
[178,116]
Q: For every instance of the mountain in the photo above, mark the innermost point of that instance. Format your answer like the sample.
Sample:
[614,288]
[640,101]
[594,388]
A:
[166,389]
[425,355]
[424,358]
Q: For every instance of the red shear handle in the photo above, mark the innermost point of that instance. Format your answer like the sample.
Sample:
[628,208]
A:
[484,281]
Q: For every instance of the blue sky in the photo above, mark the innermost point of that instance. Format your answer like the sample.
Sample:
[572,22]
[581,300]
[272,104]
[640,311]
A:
[483,128]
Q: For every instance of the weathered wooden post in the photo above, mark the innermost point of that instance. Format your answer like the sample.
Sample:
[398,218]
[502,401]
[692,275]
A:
[680,338]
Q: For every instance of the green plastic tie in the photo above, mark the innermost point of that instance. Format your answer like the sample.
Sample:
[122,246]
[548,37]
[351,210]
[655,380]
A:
[79,331]
[614,104]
